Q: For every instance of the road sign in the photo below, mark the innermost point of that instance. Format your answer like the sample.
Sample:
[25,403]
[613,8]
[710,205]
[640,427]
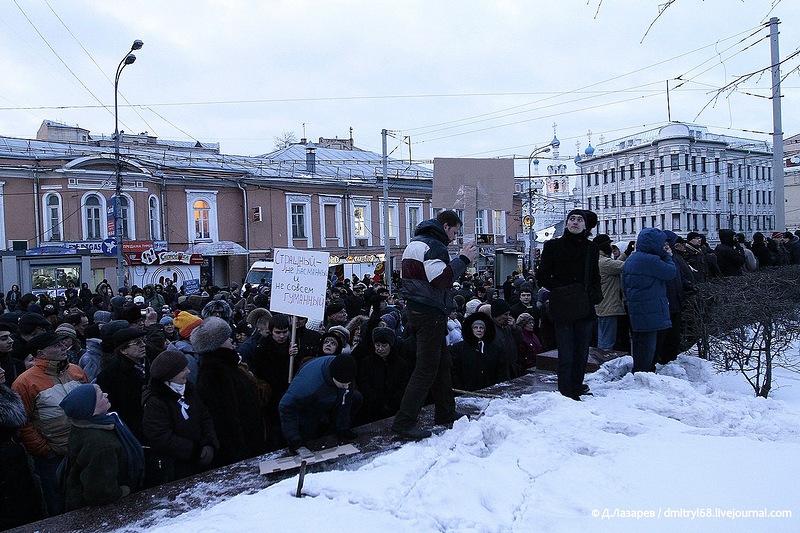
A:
[109,247]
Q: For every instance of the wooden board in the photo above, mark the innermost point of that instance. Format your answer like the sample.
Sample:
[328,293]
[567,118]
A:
[293,461]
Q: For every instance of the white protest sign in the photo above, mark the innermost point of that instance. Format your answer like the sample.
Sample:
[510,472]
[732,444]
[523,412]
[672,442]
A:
[299,283]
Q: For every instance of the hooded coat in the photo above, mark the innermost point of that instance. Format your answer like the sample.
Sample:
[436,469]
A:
[644,279]
[478,364]
[730,257]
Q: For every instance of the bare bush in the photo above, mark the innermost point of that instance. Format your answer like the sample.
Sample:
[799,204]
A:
[747,323]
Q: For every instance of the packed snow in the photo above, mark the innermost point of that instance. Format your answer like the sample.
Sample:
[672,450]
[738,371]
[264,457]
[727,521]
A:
[685,449]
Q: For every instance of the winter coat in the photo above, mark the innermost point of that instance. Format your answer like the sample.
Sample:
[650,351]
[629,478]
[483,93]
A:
[478,364]
[311,396]
[696,260]
[98,466]
[20,494]
[564,263]
[233,401]
[124,384]
[428,272]
[91,359]
[611,285]
[383,383]
[644,278]
[271,364]
[730,257]
[176,432]
[454,333]
[42,387]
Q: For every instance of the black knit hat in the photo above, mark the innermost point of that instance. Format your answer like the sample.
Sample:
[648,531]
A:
[334,307]
[499,307]
[603,242]
[168,364]
[343,368]
[385,335]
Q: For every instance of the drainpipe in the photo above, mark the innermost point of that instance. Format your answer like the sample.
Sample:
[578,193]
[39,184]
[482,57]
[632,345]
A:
[162,218]
[36,201]
[246,218]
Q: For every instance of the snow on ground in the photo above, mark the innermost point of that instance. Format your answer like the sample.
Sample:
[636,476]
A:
[662,451]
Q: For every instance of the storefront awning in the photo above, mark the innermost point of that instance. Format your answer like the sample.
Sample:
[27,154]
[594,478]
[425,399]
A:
[217,248]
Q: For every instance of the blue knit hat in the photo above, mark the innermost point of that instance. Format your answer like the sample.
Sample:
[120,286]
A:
[80,402]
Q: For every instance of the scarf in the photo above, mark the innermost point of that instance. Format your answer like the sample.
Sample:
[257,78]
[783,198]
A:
[131,446]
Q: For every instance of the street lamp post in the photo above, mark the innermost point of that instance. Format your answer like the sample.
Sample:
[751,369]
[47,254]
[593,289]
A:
[534,153]
[127,60]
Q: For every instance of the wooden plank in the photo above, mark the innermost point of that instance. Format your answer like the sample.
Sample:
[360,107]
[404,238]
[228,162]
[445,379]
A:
[294,461]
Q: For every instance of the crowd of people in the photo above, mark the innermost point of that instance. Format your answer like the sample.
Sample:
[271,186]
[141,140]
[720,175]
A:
[102,394]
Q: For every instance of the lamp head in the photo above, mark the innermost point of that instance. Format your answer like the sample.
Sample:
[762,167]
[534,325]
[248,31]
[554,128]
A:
[137,45]
[130,58]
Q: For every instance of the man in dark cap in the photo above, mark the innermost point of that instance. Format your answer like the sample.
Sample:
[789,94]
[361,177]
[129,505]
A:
[42,387]
[428,276]
[321,390]
[125,377]
[30,325]
[570,262]
[335,314]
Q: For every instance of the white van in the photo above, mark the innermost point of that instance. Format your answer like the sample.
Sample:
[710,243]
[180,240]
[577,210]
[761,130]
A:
[261,270]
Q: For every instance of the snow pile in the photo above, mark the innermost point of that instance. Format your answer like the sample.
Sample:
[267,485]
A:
[670,444]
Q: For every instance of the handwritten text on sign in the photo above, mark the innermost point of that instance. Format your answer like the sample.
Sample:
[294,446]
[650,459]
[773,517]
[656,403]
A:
[299,282]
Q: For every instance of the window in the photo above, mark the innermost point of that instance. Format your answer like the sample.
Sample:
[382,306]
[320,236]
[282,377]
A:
[652,167]
[589,180]
[694,164]
[413,216]
[605,176]
[661,163]
[652,195]
[676,191]
[662,195]
[624,226]
[201,210]
[622,173]
[53,221]
[92,211]
[703,165]
[393,228]
[621,201]
[674,161]
[605,201]
[694,192]
[480,221]
[676,222]
[704,193]
[633,198]
[644,196]
[499,222]
[202,220]
[613,200]
[716,165]
[730,170]
[589,200]
[641,168]
[360,221]
[717,192]
[124,215]
[613,175]
[154,215]
[298,221]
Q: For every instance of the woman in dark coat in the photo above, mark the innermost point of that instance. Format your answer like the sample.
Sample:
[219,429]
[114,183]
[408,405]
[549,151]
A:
[176,424]
[229,393]
[382,375]
[644,280]
[476,363]
[564,262]
[106,462]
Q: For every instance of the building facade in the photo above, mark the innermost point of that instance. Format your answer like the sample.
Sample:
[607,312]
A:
[679,177]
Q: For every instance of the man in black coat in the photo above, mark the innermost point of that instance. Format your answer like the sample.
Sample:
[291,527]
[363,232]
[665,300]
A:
[125,377]
[730,257]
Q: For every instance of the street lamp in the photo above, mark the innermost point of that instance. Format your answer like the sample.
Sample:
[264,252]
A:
[534,153]
[127,60]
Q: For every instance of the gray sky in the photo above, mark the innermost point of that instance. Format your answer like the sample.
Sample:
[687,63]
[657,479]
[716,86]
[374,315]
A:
[462,78]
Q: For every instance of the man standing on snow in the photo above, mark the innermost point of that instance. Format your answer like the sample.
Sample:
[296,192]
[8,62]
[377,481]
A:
[428,276]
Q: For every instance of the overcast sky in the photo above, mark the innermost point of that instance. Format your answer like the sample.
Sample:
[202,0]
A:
[461,78]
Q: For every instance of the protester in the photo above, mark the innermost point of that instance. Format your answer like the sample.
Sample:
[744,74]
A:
[428,276]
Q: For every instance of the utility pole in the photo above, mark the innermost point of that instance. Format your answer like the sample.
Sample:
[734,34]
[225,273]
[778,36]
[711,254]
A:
[387,249]
[777,128]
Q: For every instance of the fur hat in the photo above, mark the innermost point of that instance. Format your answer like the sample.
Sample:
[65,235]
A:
[343,368]
[383,335]
[186,322]
[12,413]
[217,306]
[210,334]
[336,337]
[691,235]
[168,364]
[30,321]
[499,307]
[255,314]
[80,402]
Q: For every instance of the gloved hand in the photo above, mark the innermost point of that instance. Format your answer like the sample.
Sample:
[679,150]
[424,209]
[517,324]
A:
[304,452]
[206,454]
